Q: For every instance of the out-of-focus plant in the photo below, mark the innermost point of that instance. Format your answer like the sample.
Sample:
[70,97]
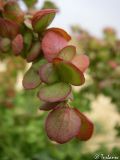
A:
[104,56]
[55,67]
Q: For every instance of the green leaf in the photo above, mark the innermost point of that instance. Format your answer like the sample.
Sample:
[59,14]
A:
[54,92]
[48,73]
[42,19]
[67,53]
[30,3]
[68,72]
[31,79]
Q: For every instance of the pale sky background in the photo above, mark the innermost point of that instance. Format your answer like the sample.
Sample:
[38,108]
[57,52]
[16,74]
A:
[93,15]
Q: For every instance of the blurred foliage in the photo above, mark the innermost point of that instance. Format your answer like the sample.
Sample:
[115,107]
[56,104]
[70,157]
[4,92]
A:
[104,54]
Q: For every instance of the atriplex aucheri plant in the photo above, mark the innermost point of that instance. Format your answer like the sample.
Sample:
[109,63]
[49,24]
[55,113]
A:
[55,67]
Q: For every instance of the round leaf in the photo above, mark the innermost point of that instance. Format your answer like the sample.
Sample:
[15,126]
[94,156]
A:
[55,92]
[48,74]
[53,42]
[87,127]
[62,124]
[68,72]
[81,61]
[67,53]
[31,79]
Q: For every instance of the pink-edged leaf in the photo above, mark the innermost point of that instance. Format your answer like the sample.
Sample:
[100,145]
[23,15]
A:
[54,92]
[31,79]
[81,61]
[61,32]
[46,106]
[62,124]
[53,41]
[68,72]
[48,73]
[34,52]
[87,127]
[17,45]
[8,28]
[67,53]
[42,19]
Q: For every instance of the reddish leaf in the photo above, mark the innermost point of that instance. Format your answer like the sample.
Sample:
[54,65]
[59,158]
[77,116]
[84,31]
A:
[81,61]
[67,53]
[8,28]
[55,92]
[48,74]
[34,52]
[68,72]
[87,127]
[53,42]
[62,124]
[31,79]
[17,45]
[42,19]
[61,32]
